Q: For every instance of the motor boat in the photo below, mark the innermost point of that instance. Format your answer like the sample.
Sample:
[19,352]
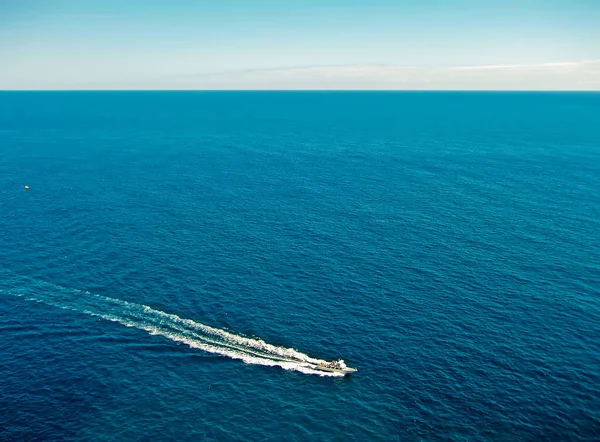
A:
[335,367]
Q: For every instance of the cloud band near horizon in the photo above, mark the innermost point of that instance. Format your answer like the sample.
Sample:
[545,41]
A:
[568,75]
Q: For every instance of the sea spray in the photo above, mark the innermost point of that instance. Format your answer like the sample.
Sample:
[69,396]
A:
[194,334]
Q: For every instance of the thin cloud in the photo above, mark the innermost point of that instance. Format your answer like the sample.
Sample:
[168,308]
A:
[568,64]
[306,70]
[568,75]
[389,71]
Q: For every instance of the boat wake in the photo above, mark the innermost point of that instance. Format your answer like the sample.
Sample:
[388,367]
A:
[185,331]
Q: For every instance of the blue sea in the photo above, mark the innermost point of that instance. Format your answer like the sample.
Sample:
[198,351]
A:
[182,259]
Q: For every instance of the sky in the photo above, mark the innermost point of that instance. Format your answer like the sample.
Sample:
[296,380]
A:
[300,44]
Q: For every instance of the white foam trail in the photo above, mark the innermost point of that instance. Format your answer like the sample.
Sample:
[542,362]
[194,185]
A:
[186,331]
[259,344]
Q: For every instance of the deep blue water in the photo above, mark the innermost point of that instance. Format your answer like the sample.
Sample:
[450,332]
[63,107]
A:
[446,244]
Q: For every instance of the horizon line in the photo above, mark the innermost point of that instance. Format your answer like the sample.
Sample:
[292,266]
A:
[307,90]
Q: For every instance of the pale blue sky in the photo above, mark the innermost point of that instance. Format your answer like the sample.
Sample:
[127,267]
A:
[309,44]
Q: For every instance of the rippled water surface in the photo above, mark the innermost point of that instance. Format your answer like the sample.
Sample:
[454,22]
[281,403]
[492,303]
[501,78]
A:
[181,261]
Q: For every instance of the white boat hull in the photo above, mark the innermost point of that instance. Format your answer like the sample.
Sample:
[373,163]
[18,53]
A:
[343,370]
